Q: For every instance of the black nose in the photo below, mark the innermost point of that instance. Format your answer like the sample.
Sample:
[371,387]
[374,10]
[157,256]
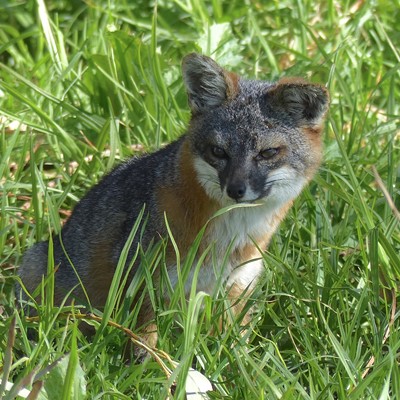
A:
[236,190]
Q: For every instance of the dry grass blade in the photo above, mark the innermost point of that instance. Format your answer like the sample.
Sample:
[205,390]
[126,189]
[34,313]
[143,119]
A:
[385,192]
[24,382]
[157,355]
[36,387]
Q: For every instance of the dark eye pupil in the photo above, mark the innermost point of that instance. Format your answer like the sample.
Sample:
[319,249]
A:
[218,152]
[268,153]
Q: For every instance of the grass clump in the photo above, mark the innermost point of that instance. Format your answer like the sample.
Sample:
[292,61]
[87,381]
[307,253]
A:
[85,85]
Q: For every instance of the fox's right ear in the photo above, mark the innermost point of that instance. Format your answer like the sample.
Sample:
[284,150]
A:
[207,84]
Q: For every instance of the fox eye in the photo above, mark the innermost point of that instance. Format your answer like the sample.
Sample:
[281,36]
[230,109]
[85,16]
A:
[218,152]
[268,124]
[267,154]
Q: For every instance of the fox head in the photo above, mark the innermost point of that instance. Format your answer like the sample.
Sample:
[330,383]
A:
[253,141]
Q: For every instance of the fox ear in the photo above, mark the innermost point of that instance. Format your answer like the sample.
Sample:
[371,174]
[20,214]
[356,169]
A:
[305,102]
[207,84]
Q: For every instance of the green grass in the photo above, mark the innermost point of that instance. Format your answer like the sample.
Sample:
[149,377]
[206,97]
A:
[93,83]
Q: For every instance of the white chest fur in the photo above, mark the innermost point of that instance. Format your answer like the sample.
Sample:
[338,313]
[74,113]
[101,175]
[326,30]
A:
[234,230]
[240,226]
[230,232]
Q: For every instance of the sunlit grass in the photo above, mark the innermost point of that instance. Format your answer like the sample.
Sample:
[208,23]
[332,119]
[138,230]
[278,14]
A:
[86,85]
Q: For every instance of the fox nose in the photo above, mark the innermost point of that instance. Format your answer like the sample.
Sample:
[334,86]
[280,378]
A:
[236,190]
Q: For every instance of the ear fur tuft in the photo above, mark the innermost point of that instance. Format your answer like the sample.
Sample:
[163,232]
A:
[305,102]
[207,84]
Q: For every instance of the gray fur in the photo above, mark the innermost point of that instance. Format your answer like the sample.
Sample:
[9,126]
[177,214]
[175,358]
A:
[205,82]
[105,215]
[305,103]
[260,116]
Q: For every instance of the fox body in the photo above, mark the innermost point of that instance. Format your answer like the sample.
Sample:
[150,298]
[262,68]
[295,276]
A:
[251,142]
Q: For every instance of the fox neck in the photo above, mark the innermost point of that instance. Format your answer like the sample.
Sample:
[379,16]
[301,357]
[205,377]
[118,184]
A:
[184,201]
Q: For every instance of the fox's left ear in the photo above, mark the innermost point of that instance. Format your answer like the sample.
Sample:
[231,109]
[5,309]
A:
[306,103]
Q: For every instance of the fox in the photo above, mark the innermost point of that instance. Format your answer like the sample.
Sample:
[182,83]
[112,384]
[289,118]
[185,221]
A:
[250,144]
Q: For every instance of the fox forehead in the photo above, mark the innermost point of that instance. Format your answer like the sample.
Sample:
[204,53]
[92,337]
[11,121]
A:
[248,110]
[247,106]
[241,122]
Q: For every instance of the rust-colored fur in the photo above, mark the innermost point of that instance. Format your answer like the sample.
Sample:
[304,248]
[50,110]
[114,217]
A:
[251,145]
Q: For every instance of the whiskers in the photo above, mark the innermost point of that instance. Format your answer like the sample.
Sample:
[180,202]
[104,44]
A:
[284,183]
[210,183]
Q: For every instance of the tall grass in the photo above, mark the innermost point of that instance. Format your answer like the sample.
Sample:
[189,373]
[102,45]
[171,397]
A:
[85,85]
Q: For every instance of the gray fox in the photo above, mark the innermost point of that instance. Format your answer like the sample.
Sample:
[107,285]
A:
[252,142]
